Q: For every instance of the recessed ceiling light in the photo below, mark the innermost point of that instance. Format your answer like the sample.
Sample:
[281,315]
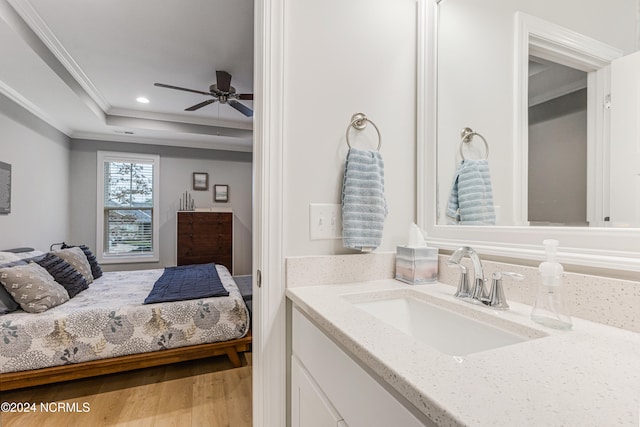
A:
[142,100]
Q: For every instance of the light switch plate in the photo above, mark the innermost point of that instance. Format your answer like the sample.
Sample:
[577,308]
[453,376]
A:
[325,221]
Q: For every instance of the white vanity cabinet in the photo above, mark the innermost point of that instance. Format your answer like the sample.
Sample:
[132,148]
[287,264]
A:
[328,388]
[309,405]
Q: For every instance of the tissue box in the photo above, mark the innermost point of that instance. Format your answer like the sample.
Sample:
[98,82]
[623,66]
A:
[416,265]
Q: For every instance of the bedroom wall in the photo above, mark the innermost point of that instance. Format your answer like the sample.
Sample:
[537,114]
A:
[176,167]
[39,157]
[342,58]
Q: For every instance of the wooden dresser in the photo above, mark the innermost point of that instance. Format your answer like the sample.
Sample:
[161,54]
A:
[205,237]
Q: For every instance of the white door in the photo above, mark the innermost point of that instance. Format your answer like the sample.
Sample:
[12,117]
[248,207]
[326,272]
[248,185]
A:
[625,141]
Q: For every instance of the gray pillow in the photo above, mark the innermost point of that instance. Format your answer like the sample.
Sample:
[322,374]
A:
[96,270]
[18,250]
[29,254]
[78,260]
[7,304]
[32,287]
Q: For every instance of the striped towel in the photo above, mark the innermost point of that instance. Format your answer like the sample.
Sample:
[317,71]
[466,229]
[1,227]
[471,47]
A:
[471,199]
[364,207]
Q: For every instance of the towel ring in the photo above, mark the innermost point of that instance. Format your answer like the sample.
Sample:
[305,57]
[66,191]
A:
[467,135]
[359,122]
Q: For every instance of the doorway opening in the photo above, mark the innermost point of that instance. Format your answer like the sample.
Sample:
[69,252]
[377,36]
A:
[557,173]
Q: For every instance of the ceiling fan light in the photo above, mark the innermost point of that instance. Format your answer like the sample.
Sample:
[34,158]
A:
[221,91]
[142,100]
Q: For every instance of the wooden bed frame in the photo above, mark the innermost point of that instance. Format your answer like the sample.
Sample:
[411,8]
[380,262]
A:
[15,380]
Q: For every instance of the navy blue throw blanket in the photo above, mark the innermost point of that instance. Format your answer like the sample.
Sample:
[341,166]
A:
[187,282]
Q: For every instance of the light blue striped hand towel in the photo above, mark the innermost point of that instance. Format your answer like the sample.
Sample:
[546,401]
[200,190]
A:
[364,207]
[471,198]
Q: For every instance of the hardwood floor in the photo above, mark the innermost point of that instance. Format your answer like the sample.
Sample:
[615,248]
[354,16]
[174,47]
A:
[207,392]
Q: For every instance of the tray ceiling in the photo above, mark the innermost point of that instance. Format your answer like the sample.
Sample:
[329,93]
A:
[80,65]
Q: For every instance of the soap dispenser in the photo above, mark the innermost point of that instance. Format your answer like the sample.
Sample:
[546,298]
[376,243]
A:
[550,309]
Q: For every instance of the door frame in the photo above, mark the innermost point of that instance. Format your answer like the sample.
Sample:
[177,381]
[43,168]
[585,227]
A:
[563,46]
[269,325]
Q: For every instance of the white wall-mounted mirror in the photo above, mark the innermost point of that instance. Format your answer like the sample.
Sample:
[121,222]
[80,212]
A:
[489,55]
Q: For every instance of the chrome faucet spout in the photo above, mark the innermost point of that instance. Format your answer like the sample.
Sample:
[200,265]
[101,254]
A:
[478,291]
[477,265]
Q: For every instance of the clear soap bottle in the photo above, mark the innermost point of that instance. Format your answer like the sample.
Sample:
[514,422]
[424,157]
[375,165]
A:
[550,308]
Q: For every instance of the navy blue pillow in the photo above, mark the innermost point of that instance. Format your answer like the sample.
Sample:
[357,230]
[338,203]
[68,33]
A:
[96,270]
[63,273]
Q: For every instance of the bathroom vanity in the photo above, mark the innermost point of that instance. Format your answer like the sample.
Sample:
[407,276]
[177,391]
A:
[327,385]
[376,353]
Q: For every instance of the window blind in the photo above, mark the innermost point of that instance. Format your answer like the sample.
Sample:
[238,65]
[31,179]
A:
[128,207]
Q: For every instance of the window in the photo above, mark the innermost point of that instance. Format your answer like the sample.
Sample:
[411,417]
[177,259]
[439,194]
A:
[127,220]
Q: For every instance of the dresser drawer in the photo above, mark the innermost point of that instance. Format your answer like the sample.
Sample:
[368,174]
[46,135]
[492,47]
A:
[211,251]
[216,221]
[204,241]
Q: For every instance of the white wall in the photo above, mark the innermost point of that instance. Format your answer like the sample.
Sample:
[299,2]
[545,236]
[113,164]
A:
[176,167]
[342,58]
[476,74]
[39,157]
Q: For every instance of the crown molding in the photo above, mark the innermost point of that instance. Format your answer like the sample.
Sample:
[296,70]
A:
[167,117]
[245,146]
[32,108]
[42,30]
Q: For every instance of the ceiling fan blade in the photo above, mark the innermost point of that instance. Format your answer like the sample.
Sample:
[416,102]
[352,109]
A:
[200,105]
[223,80]
[181,88]
[241,107]
[246,96]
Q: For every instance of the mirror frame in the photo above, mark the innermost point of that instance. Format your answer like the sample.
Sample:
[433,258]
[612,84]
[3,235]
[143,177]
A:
[601,247]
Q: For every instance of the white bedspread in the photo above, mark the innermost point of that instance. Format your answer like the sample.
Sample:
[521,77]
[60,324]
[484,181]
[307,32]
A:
[109,320]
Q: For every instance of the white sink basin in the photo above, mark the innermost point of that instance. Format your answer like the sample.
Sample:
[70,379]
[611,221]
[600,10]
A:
[449,328]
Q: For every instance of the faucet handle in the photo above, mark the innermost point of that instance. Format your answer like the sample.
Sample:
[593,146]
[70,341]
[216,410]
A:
[463,283]
[497,299]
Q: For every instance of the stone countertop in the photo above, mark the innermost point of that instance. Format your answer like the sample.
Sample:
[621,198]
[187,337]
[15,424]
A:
[588,376]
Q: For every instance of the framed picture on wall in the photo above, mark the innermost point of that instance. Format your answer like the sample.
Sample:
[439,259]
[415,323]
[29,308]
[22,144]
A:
[5,188]
[221,193]
[200,181]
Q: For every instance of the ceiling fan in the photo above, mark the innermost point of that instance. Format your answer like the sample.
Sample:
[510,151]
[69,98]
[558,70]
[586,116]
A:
[221,91]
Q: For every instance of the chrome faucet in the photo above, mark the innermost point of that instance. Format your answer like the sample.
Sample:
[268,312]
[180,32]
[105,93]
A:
[478,292]
[495,298]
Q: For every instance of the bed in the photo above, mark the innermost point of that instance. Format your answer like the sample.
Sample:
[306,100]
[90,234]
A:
[106,328]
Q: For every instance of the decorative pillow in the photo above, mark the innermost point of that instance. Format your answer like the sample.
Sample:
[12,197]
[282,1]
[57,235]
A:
[7,303]
[29,254]
[78,260]
[32,287]
[96,270]
[64,273]
[6,257]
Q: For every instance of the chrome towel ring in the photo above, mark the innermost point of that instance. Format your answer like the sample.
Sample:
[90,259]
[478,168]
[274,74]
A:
[359,122]
[467,135]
